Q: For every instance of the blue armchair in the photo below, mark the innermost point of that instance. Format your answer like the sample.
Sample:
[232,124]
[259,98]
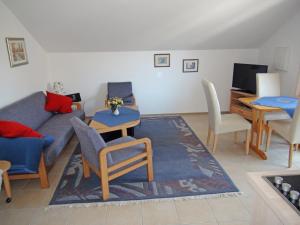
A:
[122,90]
[112,159]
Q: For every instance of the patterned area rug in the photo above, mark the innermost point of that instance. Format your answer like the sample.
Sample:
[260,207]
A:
[182,167]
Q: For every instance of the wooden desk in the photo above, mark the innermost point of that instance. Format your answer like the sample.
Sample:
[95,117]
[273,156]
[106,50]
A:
[102,128]
[258,112]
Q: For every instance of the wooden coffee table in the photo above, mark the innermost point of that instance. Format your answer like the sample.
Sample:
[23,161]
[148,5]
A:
[5,166]
[102,128]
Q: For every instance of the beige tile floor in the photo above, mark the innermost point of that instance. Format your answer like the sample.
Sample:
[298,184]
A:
[30,202]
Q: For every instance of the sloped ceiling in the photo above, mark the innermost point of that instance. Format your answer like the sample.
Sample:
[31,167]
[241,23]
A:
[128,25]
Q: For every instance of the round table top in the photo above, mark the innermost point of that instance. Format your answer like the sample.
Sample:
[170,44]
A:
[4,165]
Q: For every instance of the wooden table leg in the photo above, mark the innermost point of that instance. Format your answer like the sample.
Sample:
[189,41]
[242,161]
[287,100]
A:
[124,132]
[254,122]
[260,128]
[7,187]
[257,126]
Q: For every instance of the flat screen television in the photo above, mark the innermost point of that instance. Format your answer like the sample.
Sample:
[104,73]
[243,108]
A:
[244,76]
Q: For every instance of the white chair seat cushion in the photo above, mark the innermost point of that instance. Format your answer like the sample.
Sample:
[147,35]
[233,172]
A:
[276,116]
[232,123]
[282,127]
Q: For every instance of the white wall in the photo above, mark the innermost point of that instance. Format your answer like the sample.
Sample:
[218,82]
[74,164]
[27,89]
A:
[18,82]
[158,90]
[287,36]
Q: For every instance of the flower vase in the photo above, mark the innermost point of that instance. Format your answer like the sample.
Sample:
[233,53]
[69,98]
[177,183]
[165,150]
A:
[116,112]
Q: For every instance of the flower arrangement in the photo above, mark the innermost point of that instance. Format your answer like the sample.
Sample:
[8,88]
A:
[114,103]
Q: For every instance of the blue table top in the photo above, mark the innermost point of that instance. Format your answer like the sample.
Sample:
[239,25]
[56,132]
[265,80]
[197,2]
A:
[109,119]
[286,103]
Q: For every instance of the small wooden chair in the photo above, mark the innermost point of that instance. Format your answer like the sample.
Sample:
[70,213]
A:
[112,159]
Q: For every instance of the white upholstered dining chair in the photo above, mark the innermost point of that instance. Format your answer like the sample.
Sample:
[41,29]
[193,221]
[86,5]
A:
[268,85]
[220,124]
[289,130]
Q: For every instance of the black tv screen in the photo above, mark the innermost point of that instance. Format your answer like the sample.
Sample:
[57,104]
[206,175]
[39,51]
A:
[244,76]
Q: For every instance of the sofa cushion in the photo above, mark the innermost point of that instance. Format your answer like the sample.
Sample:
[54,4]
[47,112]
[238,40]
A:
[28,111]
[60,128]
[58,103]
[12,129]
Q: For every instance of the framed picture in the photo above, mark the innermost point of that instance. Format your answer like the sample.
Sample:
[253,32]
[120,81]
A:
[190,65]
[162,60]
[16,51]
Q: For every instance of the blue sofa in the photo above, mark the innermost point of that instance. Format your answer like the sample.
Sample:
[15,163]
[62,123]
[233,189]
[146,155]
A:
[30,111]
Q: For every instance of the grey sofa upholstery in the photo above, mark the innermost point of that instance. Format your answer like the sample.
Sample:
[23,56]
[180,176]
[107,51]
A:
[30,112]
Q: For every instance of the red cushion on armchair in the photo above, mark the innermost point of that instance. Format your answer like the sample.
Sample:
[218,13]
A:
[58,103]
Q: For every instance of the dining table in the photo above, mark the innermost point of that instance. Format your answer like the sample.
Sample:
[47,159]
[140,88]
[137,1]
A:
[258,125]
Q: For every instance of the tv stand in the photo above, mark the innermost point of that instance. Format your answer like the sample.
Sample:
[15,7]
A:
[242,91]
[237,107]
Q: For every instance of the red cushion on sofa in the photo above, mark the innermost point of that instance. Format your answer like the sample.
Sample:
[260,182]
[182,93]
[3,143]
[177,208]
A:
[12,129]
[58,103]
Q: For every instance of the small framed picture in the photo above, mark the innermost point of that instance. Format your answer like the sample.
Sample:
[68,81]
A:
[16,51]
[162,60]
[190,65]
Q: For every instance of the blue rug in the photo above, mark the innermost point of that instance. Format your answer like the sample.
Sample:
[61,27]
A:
[182,167]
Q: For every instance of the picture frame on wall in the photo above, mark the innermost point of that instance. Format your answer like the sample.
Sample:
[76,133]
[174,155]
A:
[16,51]
[162,60]
[190,65]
